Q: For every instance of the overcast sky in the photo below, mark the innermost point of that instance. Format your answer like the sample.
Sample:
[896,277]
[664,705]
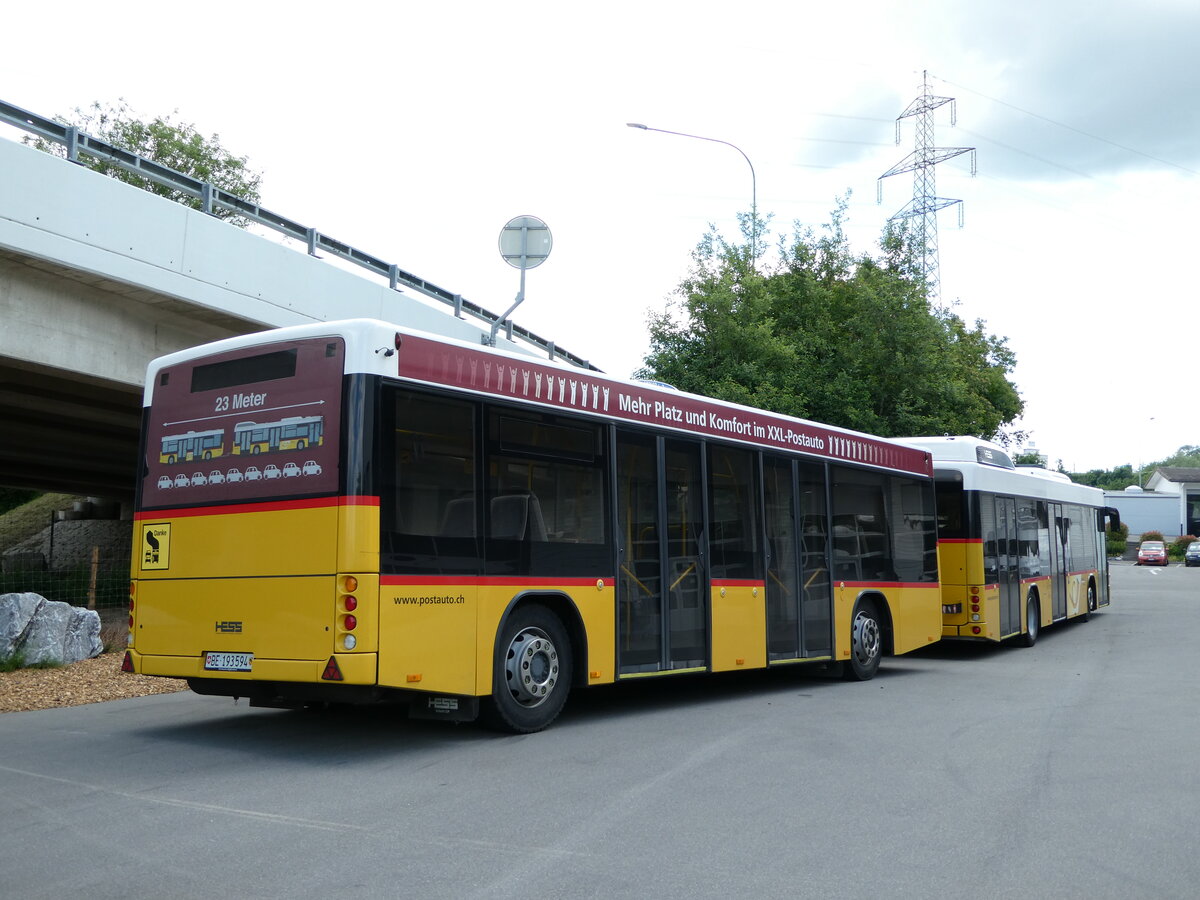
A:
[415,131]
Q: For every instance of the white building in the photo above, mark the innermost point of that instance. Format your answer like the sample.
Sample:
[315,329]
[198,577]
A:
[1170,503]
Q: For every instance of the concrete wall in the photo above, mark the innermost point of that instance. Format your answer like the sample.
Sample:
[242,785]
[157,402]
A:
[189,277]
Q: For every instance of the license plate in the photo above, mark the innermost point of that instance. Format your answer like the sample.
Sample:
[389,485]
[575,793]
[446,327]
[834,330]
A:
[228,662]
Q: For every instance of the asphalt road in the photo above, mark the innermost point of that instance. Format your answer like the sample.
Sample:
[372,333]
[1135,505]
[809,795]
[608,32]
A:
[1065,770]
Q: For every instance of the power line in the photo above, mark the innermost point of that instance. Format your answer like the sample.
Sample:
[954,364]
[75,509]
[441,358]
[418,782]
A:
[1079,131]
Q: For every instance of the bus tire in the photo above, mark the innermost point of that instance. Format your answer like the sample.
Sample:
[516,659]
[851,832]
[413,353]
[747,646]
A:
[1033,621]
[1090,605]
[866,643]
[532,673]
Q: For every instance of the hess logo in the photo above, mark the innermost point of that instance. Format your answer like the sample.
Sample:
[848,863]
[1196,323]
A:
[229,627]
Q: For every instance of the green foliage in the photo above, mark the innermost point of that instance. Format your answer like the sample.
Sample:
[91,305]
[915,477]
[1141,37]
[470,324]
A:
[1107,479]
[1178,547]
[1152,536]
[177,145]
[844,339]
[1186,456]
[1116,540]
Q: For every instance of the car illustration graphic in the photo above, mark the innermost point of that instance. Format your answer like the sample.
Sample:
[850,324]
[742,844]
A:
[311,467]
[253,474]
[233,475]
[216,476]
[272,471]
[291,470]
[164,481]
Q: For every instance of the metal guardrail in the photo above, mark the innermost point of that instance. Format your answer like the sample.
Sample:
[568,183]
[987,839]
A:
[80,142]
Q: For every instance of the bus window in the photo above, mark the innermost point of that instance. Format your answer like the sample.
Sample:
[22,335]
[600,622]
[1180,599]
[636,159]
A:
[428,512]
[546,512]
[733,513]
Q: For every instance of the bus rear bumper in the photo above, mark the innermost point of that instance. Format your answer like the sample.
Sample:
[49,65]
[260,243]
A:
[355,669]
[292,684]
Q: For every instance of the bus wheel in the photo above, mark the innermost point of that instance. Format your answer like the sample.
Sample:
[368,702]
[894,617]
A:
[1033,620]
[1091,601]
[866,643]
[532,673]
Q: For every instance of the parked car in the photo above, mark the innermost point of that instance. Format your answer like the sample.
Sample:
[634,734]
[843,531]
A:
[1192,554]
[1152,553]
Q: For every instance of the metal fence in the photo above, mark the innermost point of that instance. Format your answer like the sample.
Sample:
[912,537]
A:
[71,549]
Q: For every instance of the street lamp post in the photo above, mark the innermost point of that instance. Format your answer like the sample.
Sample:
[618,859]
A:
[753,180]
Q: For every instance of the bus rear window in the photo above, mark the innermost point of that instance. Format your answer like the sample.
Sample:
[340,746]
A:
[248,370]
[246,425]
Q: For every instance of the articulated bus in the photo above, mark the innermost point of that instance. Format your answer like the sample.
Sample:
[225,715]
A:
[482,532]
[290,433]
[1019,547]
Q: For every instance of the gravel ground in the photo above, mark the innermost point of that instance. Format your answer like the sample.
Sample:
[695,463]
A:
[90,681]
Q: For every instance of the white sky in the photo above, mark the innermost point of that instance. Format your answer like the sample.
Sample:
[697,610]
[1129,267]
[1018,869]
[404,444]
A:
[415,131]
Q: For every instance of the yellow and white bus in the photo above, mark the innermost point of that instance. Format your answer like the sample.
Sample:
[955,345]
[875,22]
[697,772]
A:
[1019,547]
[480,532]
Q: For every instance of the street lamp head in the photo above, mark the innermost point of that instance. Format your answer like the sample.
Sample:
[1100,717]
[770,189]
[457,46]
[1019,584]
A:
[636,125]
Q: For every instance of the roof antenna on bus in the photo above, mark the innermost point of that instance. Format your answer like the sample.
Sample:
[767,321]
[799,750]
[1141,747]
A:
[525,242]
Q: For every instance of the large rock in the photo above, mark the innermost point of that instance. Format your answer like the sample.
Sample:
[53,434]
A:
[47,631]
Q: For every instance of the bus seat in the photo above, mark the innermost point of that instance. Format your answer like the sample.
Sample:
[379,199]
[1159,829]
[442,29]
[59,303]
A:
[517,517]
[459,518]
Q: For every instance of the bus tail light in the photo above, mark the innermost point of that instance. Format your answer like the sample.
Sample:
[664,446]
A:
[349,612]
[127,662]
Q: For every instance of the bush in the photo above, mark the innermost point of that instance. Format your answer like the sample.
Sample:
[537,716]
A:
[1179,546]
[1116,541]
[1152,536]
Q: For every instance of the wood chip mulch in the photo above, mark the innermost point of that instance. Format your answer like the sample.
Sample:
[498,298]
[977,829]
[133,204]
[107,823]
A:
[89,681]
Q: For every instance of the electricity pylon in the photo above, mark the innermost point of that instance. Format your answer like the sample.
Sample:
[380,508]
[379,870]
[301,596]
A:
[925,202]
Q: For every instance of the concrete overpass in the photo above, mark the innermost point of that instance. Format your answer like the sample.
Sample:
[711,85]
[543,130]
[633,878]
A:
[98,277]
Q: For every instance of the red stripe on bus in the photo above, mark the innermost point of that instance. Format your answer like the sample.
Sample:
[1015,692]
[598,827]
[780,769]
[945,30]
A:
[889,584]
[492,580]
[960,540]
[266,506]
[737,582]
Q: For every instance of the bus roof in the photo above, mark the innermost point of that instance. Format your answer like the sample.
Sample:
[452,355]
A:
[389,350]
[987,466]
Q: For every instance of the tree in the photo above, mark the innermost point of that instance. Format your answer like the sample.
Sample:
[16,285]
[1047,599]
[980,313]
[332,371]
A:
[844,339]
[177,145]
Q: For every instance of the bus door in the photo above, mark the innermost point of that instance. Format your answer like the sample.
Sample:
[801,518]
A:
[1058,562]
[663,584]
[798,579]
[1008,562]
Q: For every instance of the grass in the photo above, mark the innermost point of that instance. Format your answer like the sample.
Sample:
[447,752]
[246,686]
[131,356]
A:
[17,661]
[28,519]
